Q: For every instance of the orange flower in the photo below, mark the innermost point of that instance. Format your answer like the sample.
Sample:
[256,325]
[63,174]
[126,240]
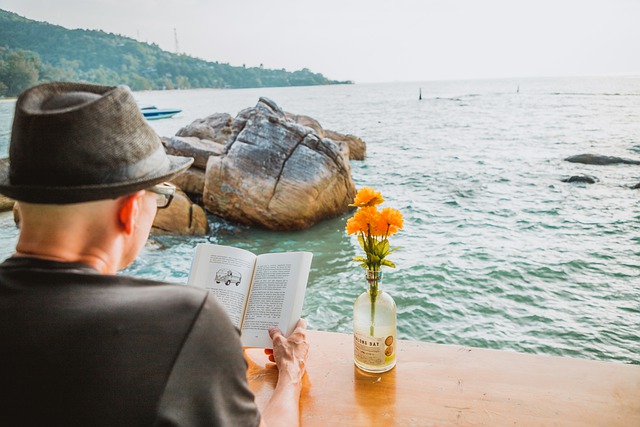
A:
[354,226]
[363,220]
[367,196]
[373,228]
[392,218]
[368,214]
[379,226]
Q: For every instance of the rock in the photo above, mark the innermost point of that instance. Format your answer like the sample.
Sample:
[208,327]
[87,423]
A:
[16,215]
[277,174]
[6,204]
[191,146]
[308,122]
[190,181]
[182,217]
[357,147]
[216,127]
[595,159]
[582,178]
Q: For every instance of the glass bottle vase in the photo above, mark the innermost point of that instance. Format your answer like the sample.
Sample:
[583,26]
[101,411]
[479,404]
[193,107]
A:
[374,327]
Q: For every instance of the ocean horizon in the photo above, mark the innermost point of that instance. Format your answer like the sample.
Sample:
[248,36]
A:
[497,251]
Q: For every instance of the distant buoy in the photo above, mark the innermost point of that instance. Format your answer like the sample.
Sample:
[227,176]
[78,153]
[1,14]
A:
[420,95]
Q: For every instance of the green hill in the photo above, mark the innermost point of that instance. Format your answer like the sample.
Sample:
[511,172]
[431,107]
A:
[32,52]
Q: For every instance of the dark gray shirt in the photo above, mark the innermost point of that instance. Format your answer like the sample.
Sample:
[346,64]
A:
[78,348]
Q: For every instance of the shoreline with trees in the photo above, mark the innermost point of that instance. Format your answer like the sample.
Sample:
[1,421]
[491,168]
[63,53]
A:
[34,52]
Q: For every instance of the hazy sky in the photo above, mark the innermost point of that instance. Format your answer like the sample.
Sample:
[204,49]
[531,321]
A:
[375,40]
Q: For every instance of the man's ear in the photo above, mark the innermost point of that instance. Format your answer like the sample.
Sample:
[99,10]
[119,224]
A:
[128,211]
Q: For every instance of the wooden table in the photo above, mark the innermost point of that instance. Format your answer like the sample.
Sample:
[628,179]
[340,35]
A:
[441,385]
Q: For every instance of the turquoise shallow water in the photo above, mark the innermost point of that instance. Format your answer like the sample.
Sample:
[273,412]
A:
[497,252]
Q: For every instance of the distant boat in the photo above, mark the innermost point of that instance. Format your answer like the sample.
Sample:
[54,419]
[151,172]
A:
[155,113]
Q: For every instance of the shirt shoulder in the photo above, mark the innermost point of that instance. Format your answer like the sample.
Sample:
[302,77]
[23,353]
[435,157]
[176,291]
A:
[208,383]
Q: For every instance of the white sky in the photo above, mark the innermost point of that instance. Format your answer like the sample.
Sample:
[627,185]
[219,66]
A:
[376,40]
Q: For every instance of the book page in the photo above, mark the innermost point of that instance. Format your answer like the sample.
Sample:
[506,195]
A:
[226,272]
[276,297]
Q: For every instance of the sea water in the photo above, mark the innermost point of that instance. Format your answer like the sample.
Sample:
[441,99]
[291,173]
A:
[497,252]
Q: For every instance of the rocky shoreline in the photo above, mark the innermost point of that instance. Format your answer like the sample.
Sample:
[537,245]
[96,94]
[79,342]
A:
[267,168]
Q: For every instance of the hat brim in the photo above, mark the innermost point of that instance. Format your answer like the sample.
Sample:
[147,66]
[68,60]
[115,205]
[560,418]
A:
[87,193]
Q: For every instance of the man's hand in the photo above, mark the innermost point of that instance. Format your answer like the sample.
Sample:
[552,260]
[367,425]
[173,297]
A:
[290,354]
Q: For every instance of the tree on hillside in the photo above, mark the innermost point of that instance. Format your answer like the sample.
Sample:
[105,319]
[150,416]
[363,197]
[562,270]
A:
[18,71]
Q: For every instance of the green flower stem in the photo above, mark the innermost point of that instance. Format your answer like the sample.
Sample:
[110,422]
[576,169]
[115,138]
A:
[373,277]
[373,314]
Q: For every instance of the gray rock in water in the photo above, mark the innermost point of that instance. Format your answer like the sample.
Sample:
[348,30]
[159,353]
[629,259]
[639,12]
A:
[595,159]
[277,174]
[216,127]
[588,179]
[192,146]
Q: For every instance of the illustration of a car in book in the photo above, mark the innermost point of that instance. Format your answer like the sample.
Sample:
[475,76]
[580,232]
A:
[228,277]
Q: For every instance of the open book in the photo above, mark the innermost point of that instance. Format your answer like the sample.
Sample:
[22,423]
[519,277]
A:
[257,291]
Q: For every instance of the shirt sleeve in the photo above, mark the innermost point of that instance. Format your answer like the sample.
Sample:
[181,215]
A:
[208,383]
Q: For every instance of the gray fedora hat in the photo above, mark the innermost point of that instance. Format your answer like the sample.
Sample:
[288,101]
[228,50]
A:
[76,142]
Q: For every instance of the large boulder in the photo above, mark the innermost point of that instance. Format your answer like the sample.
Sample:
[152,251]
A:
[275,173]
[357,147]
[182,216]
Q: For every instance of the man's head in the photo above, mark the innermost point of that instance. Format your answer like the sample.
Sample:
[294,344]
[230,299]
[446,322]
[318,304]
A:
[74,142]
[86,168]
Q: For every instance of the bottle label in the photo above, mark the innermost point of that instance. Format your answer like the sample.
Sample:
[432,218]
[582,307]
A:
[373,350]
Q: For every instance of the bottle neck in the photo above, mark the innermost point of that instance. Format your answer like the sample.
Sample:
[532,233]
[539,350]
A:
[374,279]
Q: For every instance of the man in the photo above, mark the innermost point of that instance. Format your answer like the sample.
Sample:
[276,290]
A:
[80,345]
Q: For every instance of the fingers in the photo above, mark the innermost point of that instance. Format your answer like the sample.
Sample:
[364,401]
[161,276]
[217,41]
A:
[274,331]
[301,326]
[298,336]
[290,353]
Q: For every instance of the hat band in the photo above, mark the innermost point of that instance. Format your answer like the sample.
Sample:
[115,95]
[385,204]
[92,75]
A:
[156,163]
